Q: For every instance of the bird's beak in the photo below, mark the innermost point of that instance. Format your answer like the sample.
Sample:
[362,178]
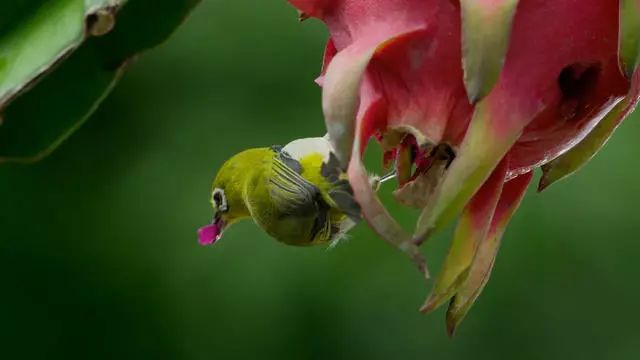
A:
[209,234]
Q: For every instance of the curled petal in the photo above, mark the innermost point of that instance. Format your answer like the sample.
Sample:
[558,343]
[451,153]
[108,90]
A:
[340,96]
[585,150]
[370,118]
[485,255]
[341,91]
[590,91]
[377,216]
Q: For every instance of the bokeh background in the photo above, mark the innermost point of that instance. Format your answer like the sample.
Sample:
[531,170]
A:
[99,259]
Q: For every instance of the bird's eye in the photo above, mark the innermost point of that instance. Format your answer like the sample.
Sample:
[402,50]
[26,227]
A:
[219,200]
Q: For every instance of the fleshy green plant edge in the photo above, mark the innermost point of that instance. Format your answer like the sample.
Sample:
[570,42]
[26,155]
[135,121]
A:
[59,62]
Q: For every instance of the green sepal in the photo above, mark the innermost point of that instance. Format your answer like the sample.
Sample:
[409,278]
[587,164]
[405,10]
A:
[629,36]
[486,29]
[471,229]
[487,249]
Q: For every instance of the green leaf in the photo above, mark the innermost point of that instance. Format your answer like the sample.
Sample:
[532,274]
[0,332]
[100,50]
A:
[33,45]
[55,70]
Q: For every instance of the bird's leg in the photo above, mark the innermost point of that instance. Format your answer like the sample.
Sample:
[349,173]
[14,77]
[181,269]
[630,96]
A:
[376,180]
[388,176]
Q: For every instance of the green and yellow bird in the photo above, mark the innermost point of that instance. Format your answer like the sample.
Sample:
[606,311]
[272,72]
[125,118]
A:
[297,194]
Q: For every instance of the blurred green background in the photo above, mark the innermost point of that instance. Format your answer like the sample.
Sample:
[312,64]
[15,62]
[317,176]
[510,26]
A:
[99,259]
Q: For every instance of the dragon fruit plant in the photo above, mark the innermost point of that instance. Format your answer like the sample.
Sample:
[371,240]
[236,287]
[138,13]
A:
[467,98]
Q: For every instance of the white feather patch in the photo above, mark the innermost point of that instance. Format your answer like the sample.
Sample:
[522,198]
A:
[302,147]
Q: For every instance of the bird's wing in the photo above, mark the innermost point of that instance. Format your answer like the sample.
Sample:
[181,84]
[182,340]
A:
[342,196]
[290,192]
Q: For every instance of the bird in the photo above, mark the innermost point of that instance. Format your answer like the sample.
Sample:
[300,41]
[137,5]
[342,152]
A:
[297,193]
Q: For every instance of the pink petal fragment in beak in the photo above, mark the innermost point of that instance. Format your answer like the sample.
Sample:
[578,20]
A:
[209,234]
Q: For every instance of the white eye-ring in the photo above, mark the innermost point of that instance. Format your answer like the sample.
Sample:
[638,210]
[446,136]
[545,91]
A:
[219,200]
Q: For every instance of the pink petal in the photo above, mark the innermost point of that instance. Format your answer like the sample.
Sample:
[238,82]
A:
[209,234]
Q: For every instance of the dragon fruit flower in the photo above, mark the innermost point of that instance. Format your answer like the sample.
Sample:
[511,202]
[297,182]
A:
[467,98]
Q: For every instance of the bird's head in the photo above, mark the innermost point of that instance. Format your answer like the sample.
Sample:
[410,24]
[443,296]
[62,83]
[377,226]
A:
[226,197]
[209,234]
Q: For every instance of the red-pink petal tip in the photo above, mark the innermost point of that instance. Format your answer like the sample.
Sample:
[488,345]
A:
[209,234]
